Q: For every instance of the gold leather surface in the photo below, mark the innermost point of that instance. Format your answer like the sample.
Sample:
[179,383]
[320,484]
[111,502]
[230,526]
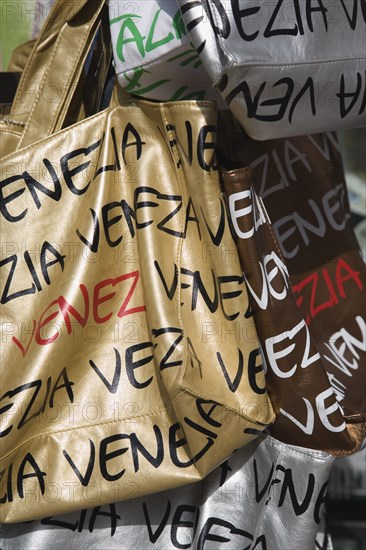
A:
[128,355]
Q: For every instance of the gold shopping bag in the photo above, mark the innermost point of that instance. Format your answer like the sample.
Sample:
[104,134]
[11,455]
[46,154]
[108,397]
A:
[130,360]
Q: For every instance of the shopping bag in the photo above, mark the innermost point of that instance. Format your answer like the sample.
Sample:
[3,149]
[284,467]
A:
[117,262]
[284,68]
[49,97]
[153,53]
[306,277]
[268,495]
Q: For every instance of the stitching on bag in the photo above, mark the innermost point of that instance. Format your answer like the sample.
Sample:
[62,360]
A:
[121,420]
[302,451]
[90,426]
[225,407]
[183,103]
[71,76]
[23,79]
[110,422]
[59,133]
[66,85]
[11,121]
[35,103]
[6,132]
[313,454]
[88,30]
[295,64]
[50,19]
[178,257]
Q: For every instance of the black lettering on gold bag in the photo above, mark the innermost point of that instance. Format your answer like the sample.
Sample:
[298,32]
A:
[129,358]
[306,278]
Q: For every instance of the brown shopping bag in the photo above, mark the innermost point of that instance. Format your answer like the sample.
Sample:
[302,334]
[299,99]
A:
[306,278]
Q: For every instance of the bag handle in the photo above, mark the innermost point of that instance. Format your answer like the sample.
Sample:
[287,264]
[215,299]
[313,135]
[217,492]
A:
[55,66]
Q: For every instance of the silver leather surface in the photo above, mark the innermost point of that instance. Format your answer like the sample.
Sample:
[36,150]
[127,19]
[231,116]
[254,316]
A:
[153,54]
[267,496]
[285,68]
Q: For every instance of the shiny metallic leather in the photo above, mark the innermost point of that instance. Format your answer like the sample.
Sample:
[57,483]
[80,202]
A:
[153,53]
[128,355]
[20,56]
[267,495]
[46,90]
[285,68]
[306,280]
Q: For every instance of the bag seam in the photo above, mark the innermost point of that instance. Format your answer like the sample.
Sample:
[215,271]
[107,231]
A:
[40,90]
[178,257]
[296,63]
